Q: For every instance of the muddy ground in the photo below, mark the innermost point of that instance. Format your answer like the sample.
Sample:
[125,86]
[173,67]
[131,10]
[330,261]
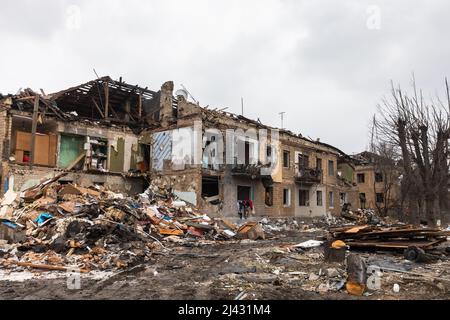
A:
[221,270]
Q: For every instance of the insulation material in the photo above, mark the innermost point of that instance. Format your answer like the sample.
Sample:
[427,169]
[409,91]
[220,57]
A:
[188,196]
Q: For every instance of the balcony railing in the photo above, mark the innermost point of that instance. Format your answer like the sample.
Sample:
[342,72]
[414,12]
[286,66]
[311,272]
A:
[253,171]
[249,170]
[308,176]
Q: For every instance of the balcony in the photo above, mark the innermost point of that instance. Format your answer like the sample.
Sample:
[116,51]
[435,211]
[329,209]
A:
[248,170]
[253,171]
[308,176]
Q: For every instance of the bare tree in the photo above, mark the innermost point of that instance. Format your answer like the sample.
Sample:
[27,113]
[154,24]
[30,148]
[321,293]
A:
[386,169]
[418,132]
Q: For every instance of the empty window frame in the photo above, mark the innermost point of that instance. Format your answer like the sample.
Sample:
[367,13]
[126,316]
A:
[380,197]
[287,197]
[342,198]
[210,186]
[378,177]
[269,196]
[362,200]
[303,161]
[331,199]
[319,198]
[331,168]
[303,198]
[244,193]
[361,178]
[318,164]
[286,159]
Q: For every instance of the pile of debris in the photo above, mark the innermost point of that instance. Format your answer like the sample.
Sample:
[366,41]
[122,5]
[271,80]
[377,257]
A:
[413,240]
[54,225]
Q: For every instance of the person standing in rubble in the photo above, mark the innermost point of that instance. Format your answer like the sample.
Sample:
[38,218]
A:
[240,207]
[248,207]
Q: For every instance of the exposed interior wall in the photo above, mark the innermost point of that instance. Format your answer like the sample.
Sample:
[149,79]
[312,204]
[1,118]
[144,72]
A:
[117,156]
[45,142]
[186,184]
[25,178]
[176,149]
[120,142]
[70,148]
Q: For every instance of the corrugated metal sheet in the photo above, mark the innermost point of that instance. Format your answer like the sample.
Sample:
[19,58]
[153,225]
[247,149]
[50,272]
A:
[161,149]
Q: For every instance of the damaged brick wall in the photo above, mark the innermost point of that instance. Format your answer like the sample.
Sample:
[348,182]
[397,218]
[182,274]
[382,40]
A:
[186,184]
[25,178]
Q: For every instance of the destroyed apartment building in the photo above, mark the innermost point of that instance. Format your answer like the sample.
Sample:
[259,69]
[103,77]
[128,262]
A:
[120,136]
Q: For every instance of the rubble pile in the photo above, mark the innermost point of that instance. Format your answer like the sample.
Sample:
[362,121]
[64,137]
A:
[362,216]
[52,226]
[365,236]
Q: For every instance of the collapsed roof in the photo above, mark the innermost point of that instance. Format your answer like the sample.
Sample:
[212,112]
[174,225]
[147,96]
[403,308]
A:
[103,99]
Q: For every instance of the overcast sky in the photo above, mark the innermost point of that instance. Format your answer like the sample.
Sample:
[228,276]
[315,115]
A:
[325,63]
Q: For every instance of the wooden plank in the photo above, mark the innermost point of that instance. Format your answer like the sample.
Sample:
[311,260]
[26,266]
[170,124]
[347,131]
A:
[106,88]
[33,129]
[19,156]
[140,106]
[53,149]
[50,267]
[41,150]
[393,244]
[98,108]
[170,232]
[78,159]
[23,141]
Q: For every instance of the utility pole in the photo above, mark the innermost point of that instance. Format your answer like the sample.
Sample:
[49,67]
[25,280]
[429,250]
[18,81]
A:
[242,106]
[282,118]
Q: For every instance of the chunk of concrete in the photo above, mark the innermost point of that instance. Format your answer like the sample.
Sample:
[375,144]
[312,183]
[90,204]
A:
[12,235]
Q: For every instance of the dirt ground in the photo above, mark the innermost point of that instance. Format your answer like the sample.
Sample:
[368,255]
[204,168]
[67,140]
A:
[222,270]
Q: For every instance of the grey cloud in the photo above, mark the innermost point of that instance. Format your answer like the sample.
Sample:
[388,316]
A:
[315,60]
